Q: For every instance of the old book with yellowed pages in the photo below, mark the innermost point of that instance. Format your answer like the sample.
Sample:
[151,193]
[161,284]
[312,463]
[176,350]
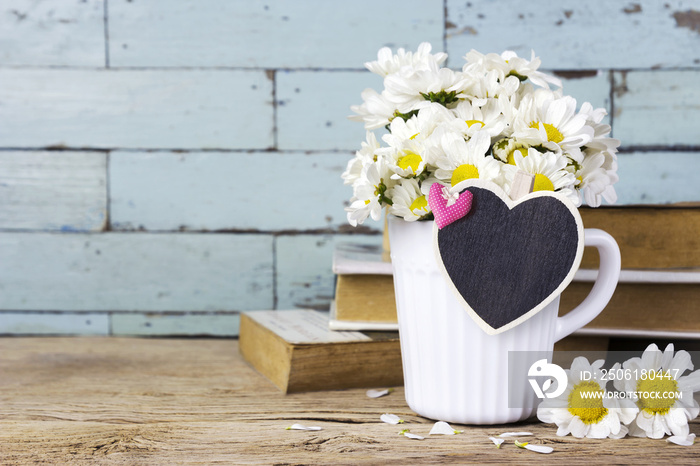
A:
[296,350]
[364,286]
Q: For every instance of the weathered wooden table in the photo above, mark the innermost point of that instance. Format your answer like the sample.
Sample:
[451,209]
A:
[167,401]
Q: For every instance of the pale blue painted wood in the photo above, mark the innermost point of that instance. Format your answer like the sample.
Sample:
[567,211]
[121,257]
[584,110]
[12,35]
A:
[61,191]
[267,34]
[50,323]
[594,89]
[304,275]
[140,324]
[135,272]
[313,108]
[213,191]
[658,177]
[52,33]
[136,109]
[657,108]
[571,34]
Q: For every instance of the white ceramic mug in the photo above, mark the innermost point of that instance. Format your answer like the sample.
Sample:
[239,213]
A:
[453,370]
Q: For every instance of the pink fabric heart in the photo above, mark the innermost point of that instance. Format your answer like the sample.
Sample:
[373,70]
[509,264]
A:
[444,214]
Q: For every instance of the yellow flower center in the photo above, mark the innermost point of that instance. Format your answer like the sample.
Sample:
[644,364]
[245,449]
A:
[414,136]
[553,134]
[511,156]
[410,160]
[464,172]
[586,402]
[421,203]
[657,395]
[542,183]
[473,122]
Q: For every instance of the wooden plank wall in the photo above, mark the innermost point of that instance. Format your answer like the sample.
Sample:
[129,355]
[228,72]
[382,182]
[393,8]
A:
[166,165]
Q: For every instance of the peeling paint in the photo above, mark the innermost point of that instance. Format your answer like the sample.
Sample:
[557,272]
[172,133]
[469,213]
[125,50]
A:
[633,8]
[620,88]
[688,19]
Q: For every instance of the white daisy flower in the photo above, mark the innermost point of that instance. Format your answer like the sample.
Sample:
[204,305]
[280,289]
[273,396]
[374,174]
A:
[376,111]
[593,179]
[409,142]
[665,396]
[485,118]
[582,410]
[416,87]
[388,63]
[492,85]
[365,155]
[408,201]
[369,193]
[549,170]
[509,64]
[546,119]
[463,160]
[504,150]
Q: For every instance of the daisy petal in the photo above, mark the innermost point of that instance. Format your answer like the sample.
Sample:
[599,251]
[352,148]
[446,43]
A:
[378,393]
[391,419]
[300,427]
[539,448]
[443,428]
[681,440]
[406,433]
[515,434]
[497,441]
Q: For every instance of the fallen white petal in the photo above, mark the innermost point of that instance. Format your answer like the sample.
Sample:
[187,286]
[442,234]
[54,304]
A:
[406,433]
[391,419]
[443,428]
[497,441]
[378,393]
[539,448]
[514,434]
[681,440]
[535,448]
[300,427]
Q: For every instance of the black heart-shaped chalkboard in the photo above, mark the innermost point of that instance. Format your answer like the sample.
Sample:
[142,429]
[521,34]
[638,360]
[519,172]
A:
[507,260]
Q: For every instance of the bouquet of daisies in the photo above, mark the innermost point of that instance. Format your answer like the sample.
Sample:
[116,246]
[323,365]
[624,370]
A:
[495,117]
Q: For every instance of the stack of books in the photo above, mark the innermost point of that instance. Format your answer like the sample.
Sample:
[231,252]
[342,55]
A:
[364,292]
[357,345]
[658,295]
[297,352]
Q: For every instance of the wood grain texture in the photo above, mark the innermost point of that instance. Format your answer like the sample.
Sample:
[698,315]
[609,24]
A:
[52,33]
[649,237]
[304,278]
[154,401]
[313,108]
[59,191]
[135,272]
[269,34]
[572,35]
[180,109]
[227,191]
[657,108]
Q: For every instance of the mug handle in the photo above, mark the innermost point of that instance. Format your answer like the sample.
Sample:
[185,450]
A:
[603,289]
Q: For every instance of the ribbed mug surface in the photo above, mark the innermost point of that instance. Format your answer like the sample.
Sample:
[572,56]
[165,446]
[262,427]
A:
[453,370]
